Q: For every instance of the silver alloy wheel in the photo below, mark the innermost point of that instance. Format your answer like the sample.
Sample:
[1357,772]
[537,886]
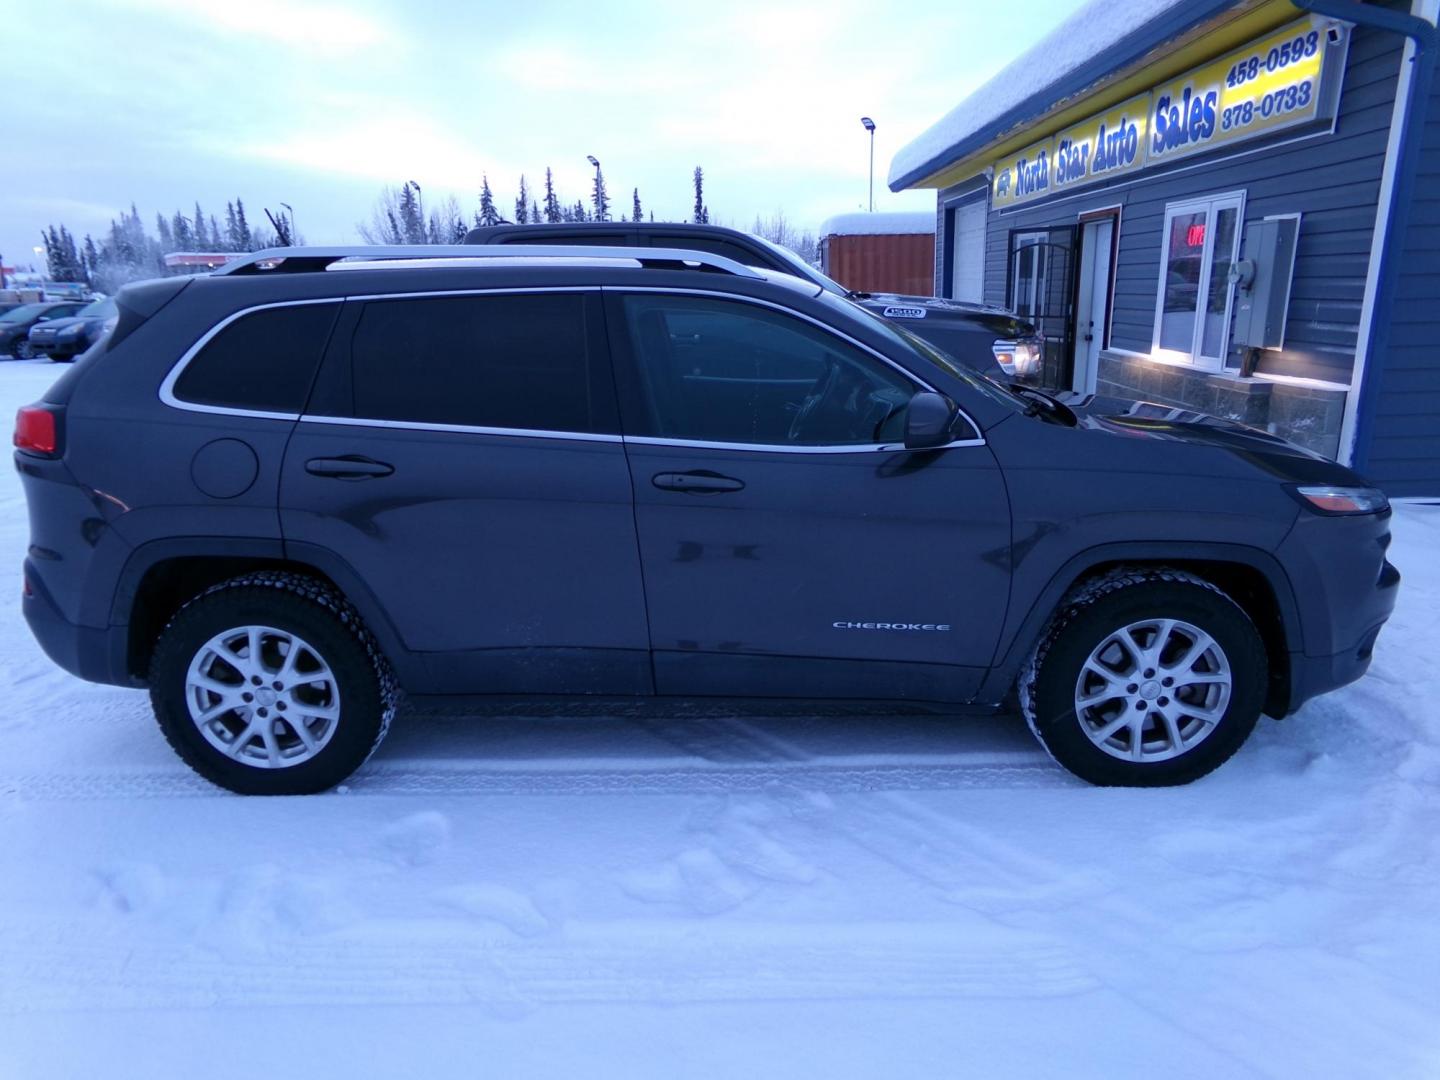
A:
[1153,690]
[262,696]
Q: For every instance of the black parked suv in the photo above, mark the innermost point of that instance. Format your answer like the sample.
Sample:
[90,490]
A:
[990,339]
[282,493]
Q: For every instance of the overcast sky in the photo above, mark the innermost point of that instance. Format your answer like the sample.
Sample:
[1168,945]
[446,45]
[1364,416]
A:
[319,104]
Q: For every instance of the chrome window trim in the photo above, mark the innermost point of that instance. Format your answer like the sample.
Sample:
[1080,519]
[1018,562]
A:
[790,448]
[461,429]
[167,387]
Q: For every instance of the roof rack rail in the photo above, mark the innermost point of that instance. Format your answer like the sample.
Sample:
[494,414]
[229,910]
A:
[311,259]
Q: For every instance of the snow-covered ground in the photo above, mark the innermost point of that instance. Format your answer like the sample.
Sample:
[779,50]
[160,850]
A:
[660,895]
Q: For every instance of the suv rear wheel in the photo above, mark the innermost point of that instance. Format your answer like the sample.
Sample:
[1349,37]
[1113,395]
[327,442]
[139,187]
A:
[270,685]
[1145,678]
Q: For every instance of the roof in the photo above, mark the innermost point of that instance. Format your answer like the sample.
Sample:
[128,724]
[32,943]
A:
[1100,38]
[893,223]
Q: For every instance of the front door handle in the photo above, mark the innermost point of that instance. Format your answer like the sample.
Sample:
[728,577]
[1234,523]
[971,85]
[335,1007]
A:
[350,467]
[700,482]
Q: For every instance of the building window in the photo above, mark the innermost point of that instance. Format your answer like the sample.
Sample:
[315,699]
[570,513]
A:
[1029,259]
[1201,243]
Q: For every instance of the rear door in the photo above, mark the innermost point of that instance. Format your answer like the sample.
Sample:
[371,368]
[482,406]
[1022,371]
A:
[790,547]
[460,454]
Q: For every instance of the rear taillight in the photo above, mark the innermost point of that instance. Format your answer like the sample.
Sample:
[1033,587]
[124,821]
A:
[37,430]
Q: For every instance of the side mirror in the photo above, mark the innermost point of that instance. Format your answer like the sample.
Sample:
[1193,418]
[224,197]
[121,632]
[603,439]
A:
[928,420]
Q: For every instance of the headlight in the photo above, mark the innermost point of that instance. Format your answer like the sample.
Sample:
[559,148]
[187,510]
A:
[1344,500]
[1019,358]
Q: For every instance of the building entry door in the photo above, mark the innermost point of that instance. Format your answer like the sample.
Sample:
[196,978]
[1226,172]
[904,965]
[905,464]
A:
[1042,290]
[1092,303]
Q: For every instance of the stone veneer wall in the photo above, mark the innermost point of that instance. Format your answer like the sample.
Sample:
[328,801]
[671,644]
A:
[1308,416]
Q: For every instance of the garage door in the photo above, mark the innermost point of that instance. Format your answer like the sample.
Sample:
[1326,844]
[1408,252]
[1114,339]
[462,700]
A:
[967,280]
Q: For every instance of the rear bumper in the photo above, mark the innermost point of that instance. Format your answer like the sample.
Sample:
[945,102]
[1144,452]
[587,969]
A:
[91,653]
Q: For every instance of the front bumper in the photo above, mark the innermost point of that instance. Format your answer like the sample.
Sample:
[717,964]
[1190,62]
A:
[1345,588]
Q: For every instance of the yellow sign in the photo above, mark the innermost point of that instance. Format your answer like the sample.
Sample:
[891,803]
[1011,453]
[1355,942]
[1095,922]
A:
[1103,146]
[1269,84]
[1023,176]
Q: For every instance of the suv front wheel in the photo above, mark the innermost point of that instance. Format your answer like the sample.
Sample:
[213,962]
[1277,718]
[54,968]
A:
[270,684]
[1145,678]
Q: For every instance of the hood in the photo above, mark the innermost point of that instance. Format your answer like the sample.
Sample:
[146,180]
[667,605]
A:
[998,320]
[1149,420]
[58,324]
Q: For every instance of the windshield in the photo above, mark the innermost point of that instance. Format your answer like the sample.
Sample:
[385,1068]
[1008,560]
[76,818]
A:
[100,309]
[21,314]
[800,268]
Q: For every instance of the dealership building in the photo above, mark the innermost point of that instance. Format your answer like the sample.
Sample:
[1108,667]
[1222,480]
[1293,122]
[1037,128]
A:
[1230,208]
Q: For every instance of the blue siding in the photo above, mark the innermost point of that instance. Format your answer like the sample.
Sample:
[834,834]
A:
[1403,454]
[1333,180]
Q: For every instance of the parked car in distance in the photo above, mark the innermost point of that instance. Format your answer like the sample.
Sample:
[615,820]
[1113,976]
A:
[15,325]
[988,339]
[330,474]
[66,338]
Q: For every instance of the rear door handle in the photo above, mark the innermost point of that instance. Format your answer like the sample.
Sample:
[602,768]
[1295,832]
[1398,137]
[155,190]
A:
[350,467]
[700,482]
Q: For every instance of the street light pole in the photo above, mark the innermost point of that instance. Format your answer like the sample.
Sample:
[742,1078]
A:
[594,161]
[870,127]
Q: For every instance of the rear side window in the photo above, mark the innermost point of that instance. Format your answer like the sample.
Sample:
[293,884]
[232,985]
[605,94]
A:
[262,362]
[730,250]
[517,360]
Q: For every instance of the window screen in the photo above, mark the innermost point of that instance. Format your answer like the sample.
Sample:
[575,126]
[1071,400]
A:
[725,371]
[263,361]
[503,361]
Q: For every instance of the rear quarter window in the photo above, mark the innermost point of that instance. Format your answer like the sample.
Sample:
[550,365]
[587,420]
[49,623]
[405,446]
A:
[264,361]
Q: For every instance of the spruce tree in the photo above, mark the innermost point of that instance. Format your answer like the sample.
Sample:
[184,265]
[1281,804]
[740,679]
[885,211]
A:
[522,204]
[202,234]
[162,229]
[180,229]
[702,212]
[232,230]
[410,227]
[534,211]
[488,214]
[216,244]
[90,257]
[635,214]
[246,240]
[599,197]
[552,203]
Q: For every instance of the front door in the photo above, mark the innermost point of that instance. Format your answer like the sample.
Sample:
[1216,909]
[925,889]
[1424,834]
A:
[789,549]
[461,455]
[1042,291]
[1093,300]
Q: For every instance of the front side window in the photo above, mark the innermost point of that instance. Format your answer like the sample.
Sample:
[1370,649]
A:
[261,362]
[507,360]
[1201,243]
[725,371]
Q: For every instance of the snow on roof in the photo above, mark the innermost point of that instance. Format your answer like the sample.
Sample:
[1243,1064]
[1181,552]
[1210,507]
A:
[1083,37]
[892,223]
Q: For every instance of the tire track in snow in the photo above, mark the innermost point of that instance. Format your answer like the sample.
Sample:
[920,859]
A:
[402,780]
[643,963]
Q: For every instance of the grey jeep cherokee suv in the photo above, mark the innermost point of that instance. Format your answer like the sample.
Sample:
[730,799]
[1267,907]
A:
[280,494]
